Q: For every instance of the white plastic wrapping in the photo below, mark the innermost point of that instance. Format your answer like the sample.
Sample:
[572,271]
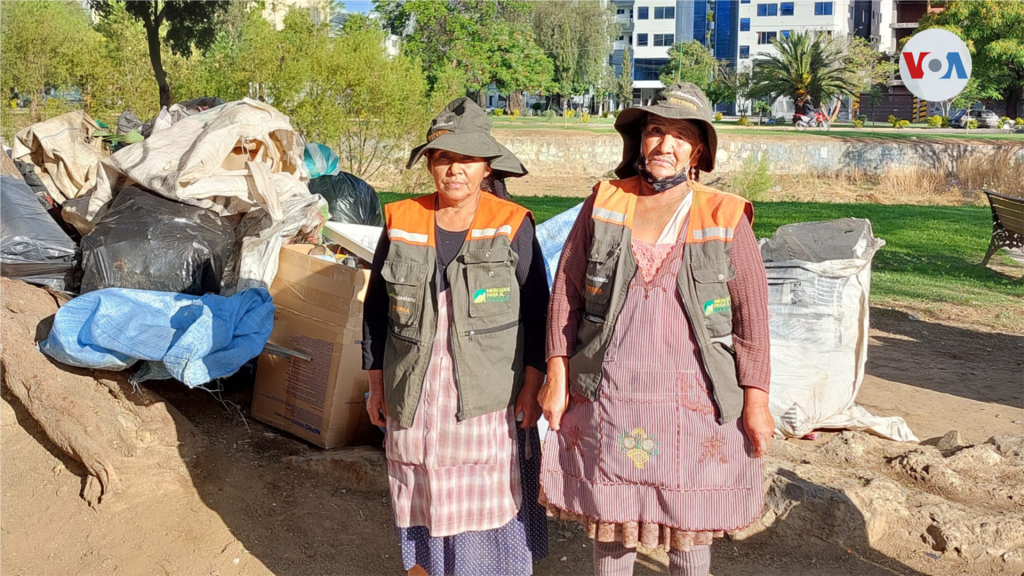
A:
[819,280]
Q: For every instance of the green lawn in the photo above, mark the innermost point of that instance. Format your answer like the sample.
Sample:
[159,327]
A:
[880,132]
[930,259]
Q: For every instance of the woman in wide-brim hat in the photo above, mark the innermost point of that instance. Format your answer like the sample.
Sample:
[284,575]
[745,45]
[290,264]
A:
[657,389]
[453,339]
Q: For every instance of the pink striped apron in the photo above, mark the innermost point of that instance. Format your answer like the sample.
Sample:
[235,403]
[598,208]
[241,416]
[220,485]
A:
[649,450]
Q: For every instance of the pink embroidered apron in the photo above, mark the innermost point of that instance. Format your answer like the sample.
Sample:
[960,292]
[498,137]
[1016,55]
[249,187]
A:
[648,451]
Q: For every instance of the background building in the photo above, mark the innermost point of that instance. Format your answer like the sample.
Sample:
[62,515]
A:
[650,27]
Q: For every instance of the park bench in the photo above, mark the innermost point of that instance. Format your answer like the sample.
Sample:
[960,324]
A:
[1007,223]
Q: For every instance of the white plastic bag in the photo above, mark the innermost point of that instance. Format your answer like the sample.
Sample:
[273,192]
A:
[819,280]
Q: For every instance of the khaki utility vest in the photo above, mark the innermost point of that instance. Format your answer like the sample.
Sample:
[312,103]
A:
[702,284]
[486,335]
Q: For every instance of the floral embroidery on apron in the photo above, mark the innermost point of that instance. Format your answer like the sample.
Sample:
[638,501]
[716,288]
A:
[638,446]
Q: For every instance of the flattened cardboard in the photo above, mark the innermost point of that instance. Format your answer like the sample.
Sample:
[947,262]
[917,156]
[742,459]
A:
[319,314]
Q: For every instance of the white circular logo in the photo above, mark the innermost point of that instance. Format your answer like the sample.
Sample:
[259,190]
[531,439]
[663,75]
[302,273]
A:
[935,65]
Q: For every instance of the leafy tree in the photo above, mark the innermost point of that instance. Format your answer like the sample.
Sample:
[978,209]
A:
[577,35]
[470,42]
[806,63]
[189,25]
[44,44]
[127,76]
[872,67]
[517,63]
[994,33]
[689,62]
[625,87]
[973,93]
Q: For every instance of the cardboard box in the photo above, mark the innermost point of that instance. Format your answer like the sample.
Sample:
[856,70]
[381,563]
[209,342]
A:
[319,314]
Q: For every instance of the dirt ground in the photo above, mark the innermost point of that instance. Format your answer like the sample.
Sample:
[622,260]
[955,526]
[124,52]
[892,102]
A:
[239,508]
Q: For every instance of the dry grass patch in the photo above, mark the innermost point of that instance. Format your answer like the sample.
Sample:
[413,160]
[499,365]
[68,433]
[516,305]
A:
[1001,172]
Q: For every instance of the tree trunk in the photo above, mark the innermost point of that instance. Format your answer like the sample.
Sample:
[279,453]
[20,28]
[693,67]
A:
[153,39]
[516,101]
[481,98]
[1012,99]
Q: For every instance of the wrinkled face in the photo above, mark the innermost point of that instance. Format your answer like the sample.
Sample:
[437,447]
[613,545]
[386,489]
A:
[456,176]
[670,146]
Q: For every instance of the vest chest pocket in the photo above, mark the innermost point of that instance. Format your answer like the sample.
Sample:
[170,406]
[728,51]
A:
[597,286]
[405,291]
[711,281]
[490,275]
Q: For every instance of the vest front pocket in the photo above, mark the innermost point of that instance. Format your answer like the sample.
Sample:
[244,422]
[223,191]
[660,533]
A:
[597,286]
[711,280]
[490,275]
[405,284]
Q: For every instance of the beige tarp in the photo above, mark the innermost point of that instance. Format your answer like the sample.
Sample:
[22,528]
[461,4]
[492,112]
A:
[65,155]
[240,158]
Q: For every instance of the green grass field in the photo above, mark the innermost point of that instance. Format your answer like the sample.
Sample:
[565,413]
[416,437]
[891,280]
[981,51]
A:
[931,258]
[881,131]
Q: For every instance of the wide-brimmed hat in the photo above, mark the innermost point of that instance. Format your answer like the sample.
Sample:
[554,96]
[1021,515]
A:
[681,101]
[464,128]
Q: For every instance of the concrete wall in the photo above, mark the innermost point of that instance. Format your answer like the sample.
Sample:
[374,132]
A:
[557,153]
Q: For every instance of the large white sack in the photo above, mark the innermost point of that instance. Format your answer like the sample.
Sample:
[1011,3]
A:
[65,155]
[206,160]
[819,280]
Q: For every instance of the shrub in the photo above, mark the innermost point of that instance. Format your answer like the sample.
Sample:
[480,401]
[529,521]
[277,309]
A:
[945,122]
[1005,120]
[743,121]
[605,114]
[753,181]
[858,123]
[549,114]
[972,124]
[718,116]
[934,121]
[1018,122]
[514,114]
[893,121]
[902,124]
[537,106]
[570,113]
[585,117]
[499,112]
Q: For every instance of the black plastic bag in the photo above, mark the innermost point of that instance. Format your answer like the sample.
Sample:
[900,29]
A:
[150,243]
[349,198]
[33,248]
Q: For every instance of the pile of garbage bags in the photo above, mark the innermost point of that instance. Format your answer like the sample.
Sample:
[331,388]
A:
[168,231]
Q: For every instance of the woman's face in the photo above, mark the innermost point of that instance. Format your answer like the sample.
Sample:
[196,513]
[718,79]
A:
[456,176]
[668,145]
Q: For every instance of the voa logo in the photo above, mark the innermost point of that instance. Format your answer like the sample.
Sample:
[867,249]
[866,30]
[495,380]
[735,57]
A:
[935,65]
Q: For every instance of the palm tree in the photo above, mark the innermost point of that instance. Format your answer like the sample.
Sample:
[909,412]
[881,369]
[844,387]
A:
[807,63]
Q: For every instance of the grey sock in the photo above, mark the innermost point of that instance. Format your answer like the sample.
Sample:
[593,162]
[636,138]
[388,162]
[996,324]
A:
[695,562]
[613,559]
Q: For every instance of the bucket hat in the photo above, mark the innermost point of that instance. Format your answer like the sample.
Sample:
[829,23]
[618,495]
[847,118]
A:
[681,101]
[464,128]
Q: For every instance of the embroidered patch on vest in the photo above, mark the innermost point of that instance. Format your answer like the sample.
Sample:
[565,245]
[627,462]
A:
[638,446]
[718,305]
[485,295]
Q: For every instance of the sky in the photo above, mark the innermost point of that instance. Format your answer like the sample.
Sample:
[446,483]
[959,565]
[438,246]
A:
[362,6]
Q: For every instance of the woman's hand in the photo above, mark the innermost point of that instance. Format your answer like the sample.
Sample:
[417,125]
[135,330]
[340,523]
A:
[526,402]
[757,421]
[554,395]
[376,407]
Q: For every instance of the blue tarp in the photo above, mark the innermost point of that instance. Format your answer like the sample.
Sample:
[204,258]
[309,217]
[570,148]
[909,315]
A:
[193,339]
[551,236]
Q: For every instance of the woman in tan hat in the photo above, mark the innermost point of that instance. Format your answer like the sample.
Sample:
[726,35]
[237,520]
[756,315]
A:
[453,339]
[657,389]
